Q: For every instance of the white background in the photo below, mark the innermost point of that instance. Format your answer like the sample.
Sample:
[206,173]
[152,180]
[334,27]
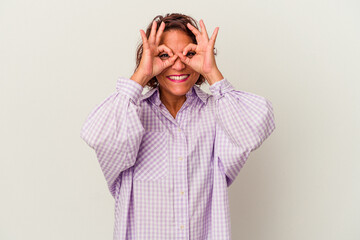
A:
[59,59]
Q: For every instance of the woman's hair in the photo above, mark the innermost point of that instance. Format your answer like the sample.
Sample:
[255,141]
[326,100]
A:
[173,21]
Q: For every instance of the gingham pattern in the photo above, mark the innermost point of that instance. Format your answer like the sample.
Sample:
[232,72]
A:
[169,177]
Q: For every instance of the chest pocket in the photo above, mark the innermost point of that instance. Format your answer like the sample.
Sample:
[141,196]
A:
[152,159]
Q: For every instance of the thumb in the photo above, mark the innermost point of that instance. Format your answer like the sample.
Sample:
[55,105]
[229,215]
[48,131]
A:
[184,59]
[170,61]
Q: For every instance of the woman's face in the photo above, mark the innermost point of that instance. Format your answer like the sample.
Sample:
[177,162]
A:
[176,80]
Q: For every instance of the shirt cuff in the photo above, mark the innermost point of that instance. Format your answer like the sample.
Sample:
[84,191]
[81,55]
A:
[129,88]
[221,87]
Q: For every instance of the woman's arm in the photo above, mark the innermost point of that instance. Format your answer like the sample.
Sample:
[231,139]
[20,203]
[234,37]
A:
[244,120]
[113,129]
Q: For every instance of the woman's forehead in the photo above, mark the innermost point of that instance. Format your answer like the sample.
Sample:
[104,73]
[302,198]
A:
[175,39]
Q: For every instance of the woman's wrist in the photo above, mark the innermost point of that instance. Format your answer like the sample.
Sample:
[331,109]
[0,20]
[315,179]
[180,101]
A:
[214,76]
[139,78]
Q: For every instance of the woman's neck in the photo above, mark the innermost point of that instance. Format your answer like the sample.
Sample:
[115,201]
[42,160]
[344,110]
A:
[171,102]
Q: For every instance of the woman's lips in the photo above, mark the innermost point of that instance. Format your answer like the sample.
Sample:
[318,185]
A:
[178,78]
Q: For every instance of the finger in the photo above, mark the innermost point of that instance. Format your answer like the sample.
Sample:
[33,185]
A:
[153,32]
[184,59]
[163,48]
[189,47]
[203,29]
[159,33]
[144,39]
[170,61]
[194,30]
[213,37]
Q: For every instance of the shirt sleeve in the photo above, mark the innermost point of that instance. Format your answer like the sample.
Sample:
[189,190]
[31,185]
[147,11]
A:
[114,130]
[243,121]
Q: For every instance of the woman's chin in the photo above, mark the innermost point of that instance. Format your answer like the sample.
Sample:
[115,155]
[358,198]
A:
[179,92]
[176,91]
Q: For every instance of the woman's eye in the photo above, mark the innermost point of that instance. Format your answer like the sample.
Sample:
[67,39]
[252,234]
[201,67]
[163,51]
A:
[190,54]
[164,56]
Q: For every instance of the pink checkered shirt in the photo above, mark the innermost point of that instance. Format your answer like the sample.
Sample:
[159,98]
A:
[169,177]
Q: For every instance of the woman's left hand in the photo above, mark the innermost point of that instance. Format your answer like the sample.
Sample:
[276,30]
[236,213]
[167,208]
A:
[204,60]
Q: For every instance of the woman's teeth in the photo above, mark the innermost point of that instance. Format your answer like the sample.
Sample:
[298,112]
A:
[177,78]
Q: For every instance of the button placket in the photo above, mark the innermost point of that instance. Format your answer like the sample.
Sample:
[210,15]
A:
[180,180]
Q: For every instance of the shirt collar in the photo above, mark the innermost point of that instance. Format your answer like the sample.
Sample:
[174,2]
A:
[154,95]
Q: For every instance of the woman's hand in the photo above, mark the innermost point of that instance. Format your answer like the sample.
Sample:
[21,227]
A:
[151,64]
[204,60]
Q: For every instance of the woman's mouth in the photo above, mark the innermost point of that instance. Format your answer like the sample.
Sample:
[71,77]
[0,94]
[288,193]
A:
[178,78]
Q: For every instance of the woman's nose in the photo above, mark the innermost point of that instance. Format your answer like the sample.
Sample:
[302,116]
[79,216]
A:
[178,64]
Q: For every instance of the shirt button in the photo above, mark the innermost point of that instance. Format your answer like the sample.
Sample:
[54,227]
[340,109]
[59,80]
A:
[182,227]
[180,158]
[182,192]
[179,129]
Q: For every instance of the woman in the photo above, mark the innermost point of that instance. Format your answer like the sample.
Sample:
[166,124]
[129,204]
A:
[168,156]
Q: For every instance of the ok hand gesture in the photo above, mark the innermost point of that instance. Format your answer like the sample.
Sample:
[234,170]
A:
[204,60]
[151,64]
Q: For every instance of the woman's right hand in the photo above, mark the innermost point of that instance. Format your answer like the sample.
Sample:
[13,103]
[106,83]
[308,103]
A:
[151,64]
